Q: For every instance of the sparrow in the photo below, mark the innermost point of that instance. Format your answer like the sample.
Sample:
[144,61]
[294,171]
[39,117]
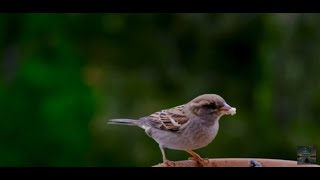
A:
[186,127]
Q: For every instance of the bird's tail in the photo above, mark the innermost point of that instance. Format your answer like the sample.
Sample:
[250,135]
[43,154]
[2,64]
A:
[128,122]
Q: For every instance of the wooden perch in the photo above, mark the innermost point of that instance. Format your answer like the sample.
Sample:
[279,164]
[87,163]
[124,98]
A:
[241,162]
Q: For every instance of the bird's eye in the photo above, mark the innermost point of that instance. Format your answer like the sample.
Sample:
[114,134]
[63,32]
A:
[210,106]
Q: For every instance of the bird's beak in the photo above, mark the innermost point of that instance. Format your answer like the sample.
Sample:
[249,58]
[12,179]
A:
[227,109]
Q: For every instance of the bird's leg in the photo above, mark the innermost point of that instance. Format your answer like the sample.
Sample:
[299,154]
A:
[165,160]
[196,157]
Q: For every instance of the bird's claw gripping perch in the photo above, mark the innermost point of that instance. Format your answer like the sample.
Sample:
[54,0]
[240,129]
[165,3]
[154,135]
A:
[170,163]
[201,161]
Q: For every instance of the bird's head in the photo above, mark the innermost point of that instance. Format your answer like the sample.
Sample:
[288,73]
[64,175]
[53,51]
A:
[210,106]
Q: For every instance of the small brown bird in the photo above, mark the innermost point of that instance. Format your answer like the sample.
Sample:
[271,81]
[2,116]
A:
[186,127]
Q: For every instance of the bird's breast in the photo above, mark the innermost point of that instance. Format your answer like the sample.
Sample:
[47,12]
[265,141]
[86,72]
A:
[192,136]
[200,136]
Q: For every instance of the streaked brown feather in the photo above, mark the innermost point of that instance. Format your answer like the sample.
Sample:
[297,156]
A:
[162,118]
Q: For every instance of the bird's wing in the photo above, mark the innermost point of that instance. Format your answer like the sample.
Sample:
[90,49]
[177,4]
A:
[168,119]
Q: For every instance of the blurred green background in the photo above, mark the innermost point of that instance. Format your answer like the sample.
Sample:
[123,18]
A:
[63,75]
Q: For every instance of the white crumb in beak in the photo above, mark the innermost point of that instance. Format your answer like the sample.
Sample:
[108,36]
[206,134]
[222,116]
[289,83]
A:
[232,111]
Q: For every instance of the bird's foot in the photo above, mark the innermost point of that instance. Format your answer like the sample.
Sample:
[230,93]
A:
[169,163]
[202,162]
